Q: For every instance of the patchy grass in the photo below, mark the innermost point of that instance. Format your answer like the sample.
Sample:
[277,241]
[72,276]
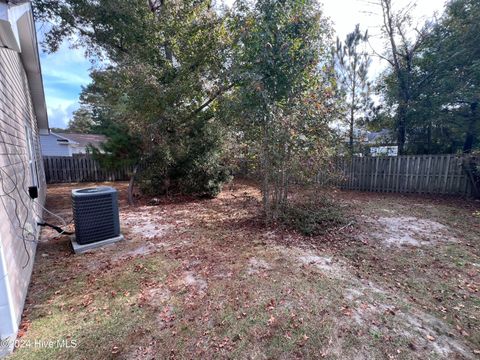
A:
[314,215]
[206,279]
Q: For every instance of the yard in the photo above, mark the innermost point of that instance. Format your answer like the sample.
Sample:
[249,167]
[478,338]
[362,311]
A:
[206,279]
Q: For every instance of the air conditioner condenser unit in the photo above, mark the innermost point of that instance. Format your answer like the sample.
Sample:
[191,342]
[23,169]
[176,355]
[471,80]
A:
[95,214]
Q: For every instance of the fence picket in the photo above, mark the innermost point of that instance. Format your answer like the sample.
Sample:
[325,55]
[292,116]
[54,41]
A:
[60,169]
[431,174]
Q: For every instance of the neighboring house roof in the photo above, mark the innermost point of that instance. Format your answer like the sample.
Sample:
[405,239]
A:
[17,32]
[63,139]
[381,135]
[55,144]
[82,140]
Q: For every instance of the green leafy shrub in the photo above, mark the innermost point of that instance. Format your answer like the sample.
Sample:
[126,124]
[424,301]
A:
[201,181]
[197,171]
[314,216]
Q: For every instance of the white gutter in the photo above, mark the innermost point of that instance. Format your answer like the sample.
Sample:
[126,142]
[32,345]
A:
[8,31]
[17,32]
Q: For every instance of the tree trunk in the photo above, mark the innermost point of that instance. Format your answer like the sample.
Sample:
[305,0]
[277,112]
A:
[429,137]
[470,135]
[351,131]
[353,104]
[266,171]
[130,186]
[401,127]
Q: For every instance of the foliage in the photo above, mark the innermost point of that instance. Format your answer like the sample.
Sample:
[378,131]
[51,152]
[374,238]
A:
[121,148]
[197,171]
[402,49]
[437,90]
[352,62]
[285,93]
[166,73]
[314,215]
[57,130]
[448,81]
[82,122]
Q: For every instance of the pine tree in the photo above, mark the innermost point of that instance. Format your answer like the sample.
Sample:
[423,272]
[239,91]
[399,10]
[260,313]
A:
[352,62]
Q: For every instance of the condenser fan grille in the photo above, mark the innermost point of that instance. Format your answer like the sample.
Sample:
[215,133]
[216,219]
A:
[95,213]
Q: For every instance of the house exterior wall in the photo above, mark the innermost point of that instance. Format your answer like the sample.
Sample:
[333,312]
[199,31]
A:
[51,147]
[21,166]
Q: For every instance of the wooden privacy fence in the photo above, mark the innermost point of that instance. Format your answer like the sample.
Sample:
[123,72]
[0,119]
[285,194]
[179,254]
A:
[431,174]
[62,169]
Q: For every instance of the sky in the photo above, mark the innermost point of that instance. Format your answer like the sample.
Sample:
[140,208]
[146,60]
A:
[67,70]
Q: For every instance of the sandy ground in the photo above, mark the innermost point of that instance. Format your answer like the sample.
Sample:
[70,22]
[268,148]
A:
[206,278]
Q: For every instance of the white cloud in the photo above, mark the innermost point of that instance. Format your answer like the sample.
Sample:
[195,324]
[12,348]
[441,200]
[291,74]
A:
[66,76]
[64,73]
[59,115]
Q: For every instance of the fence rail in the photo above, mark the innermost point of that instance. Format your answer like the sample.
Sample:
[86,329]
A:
[430,174]
[62,169]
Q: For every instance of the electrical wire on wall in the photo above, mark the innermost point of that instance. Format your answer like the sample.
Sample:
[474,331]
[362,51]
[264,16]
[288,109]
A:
[28,205]
[16,191]
[10,194]
[19,151]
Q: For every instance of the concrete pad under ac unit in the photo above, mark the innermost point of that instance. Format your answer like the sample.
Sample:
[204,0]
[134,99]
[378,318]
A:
[79,249]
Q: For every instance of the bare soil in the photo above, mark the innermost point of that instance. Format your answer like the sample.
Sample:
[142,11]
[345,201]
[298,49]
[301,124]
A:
[202,278]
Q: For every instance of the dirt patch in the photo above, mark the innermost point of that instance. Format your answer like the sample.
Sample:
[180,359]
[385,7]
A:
[193,281]
[156,296]
[141,250]
[410,231]
[434,333]
[424,332]
[327,264]
[256,266]
[141,353]
[145,223]
[377,311]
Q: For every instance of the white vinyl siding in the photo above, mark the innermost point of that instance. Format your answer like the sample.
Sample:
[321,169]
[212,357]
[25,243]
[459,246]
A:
[52,147]
[17,211]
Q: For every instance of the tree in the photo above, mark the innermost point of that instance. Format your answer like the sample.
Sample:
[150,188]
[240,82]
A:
[57,130]
[168,69]
[284,92]
[443,78]
[122,149]
[82,122]
[402,50]
[352,62]
[449,62]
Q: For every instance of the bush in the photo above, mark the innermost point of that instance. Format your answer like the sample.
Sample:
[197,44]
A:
[313,217]
[205,181]
[198,181]
[195,169]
